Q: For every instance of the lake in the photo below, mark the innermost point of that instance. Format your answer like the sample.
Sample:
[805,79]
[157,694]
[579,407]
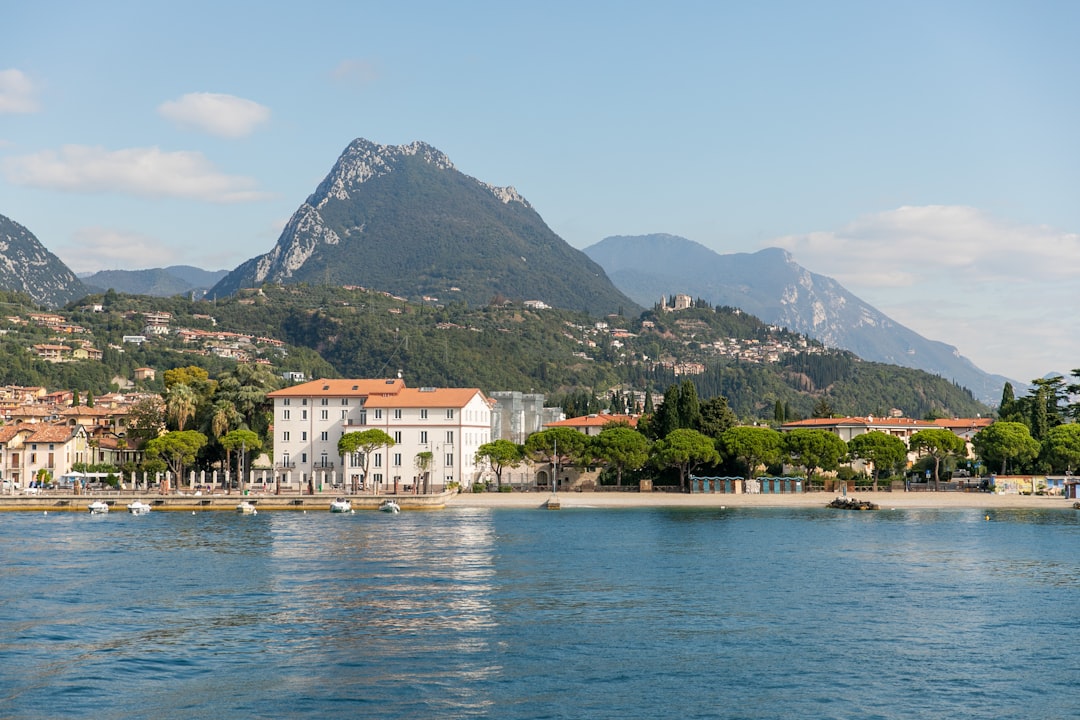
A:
[506,613]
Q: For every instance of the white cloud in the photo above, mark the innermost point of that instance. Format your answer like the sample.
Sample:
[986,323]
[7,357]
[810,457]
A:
[999,291]
[138,171]
[98,248]
[17,93]
[222,115]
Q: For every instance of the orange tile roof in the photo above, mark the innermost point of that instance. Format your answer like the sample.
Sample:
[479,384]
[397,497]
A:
[953,423]
[863,421]
[48,433]
[598,420]
[341,388]
[421,398]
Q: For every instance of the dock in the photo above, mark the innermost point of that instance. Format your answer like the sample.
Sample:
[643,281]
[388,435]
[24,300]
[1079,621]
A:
[118,501]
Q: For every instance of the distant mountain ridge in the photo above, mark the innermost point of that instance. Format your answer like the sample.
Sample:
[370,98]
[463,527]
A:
[772,286]
[404,220]
[27,267]
[158,282]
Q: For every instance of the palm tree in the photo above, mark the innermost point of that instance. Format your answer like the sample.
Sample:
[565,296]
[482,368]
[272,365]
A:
[180,405]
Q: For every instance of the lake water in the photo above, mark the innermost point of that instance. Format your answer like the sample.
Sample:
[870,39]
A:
[462,613]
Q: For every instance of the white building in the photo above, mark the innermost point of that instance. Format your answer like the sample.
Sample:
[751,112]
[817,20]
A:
[310,418]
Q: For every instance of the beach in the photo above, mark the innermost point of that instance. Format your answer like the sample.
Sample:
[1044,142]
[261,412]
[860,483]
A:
[885,500]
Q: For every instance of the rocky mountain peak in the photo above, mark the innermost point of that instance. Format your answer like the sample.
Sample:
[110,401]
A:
[27,267]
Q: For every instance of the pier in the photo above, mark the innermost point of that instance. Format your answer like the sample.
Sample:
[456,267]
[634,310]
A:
[118,501]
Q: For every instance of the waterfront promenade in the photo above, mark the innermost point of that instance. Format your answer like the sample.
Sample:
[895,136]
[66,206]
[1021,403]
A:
[53,502]
[885,500]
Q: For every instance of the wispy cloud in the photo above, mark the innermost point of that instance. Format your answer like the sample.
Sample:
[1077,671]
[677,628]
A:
[216,114]
[355,72]
[17,93]
[99,248]
[138,171]
[993,288]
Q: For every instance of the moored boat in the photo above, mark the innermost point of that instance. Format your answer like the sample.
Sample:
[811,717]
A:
[341,505]
[98,507]
[390,506]
[138,508]
[246,508]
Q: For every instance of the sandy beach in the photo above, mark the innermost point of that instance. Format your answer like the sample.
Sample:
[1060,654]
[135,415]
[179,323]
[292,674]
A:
[885,500]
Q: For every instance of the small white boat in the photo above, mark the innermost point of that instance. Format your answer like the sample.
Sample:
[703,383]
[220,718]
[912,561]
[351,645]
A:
[341,505]
[246,508]
[138,508]
[98,507]
[390,506]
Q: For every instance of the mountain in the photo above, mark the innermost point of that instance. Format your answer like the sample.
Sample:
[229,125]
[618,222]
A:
[27,267]
[159,282]
[404,220]
[772,286]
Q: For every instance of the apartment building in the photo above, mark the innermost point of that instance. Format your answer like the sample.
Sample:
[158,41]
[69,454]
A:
[436,433]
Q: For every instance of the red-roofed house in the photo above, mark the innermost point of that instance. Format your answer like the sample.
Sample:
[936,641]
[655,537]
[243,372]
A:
[592,424]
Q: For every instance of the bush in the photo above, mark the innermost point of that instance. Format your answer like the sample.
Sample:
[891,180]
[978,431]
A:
[479,487]
[506,488]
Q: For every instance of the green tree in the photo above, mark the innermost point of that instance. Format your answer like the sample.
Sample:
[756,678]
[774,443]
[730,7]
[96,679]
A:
[752,446]
[684,449]
[814,449]
[716,417]
[177,449]
[500,455]
[1061,448]
[621,447]
[180,405]
[145,420]
[364,442]
[939,444]
[422,463]
[1002,442]
[882,450]
[247,441]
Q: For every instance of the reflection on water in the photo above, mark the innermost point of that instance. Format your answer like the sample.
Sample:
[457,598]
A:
[524,614]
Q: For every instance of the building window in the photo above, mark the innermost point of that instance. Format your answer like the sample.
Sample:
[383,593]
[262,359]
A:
[397,459]
[303,414]
[284,401]
[284,414]
[303,458]
[303,436]
[324,414]
[356,459]
[344,414]
[345,402]
[423,437]
[397,437]
[378,413]
[285,460]
[285,436]
[304,401]
[449,413]
[378,459]
[324,436]
[449,459]
[326,401]
[423,413]
[449,436]
[397,413]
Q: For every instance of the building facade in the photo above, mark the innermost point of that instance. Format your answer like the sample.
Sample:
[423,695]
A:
[436,433]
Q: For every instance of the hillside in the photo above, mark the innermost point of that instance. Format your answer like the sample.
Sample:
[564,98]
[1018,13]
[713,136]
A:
[772,286]
[333,332]
[404,220]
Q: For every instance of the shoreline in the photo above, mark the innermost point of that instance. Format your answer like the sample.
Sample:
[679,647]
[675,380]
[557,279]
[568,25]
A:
[884,500]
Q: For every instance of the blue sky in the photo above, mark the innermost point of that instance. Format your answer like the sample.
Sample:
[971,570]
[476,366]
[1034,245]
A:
[922,153]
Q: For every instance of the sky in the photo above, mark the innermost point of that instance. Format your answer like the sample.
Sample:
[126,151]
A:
[923,154]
